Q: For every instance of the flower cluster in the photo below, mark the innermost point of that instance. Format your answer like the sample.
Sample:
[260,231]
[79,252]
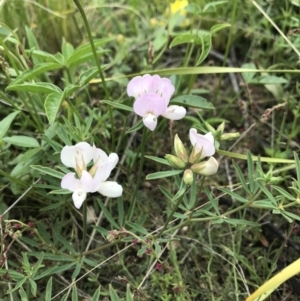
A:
[84,181]
[203,146]
[152,96]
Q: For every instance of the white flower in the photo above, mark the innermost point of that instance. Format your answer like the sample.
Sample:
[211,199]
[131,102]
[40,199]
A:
[78,157]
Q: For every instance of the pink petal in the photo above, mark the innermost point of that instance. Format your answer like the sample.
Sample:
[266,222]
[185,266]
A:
[134,87]
[202,142]
[175,112]
[150,121]
[110,189]
[151,84]
[166,89]
[70,182]
[150,103]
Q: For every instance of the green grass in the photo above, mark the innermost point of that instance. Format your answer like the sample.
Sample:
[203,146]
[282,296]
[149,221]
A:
[219,238]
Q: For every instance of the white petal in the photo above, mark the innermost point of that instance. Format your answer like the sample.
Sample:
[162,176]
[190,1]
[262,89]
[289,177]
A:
[150,121]
[99,156]
[70,182]
[175,112]
[113,159]
[101,175]
[87,182]
[210,167]
[80,154]
[78,197]
[110,189]
[209,136]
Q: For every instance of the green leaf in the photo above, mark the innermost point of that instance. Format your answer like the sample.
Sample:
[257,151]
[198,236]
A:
[96,296]
[284,193]
[67,49]
[18,285]
[136,127]
[137,228]
[113,294]
[117,105]
[163,174]
[6,122]
[49,171]
[183,39]
[108,215]
[248,76]
[218,27]
[23,294]
[194,101]
[87,75]
[33,287]
[291,215]
[29,154]
[250,172]
[159,160]
[37,70]
[50,256]
[84,53]
[129,295]
[241,177]
[266,192]
[297,163]
[48,292]
[38,265]
[66,244]
[52,105]
[22,141]
[205,48]
[39,87]
[235,222]
[268,80]
[74,293]
[55,270]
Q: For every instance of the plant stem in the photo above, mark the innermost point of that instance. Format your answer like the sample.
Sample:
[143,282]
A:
[86,24]
[139,176]
[84,231]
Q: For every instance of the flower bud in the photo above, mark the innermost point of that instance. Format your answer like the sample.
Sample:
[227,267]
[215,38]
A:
[195,156]
[180,150]
[188,177]
[221,127]
[210,128]
[175,162]
[206,168]
[229,136]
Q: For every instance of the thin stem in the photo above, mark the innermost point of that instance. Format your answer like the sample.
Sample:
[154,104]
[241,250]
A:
[139,176]
[86,24]
[84,234]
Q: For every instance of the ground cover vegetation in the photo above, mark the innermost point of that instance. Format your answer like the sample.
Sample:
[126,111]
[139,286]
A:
[149,150]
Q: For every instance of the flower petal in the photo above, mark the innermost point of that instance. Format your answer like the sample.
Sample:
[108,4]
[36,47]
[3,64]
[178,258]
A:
[204,143]
[100,157]
[134,87]
[110,189]
[113,159]
[101,175]
[206,168]
[175,112]
[150,103]
[78,197]
[87,182]
[80,154]
[150,121]
[166,89]
[70,182]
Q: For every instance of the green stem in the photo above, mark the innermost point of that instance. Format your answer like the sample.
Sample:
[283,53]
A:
[86,24]
[233,15]
[84,234]
[139,176]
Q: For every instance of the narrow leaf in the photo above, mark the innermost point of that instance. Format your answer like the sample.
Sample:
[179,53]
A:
[40,87]
[117,105]
[49,171]
[52,105]
[192,101]
[22,141]
[6,122]
[163,174]
[205,48]
[48,292]
[159,160]
[183,39]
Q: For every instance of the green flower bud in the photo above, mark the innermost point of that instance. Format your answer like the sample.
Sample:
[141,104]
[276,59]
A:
[229,136]
[180,150]
[221,128]
[188,177]
[195,156]
[175,162]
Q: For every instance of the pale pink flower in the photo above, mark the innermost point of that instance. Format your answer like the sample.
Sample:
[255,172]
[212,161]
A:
[152,96]
[203,144]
